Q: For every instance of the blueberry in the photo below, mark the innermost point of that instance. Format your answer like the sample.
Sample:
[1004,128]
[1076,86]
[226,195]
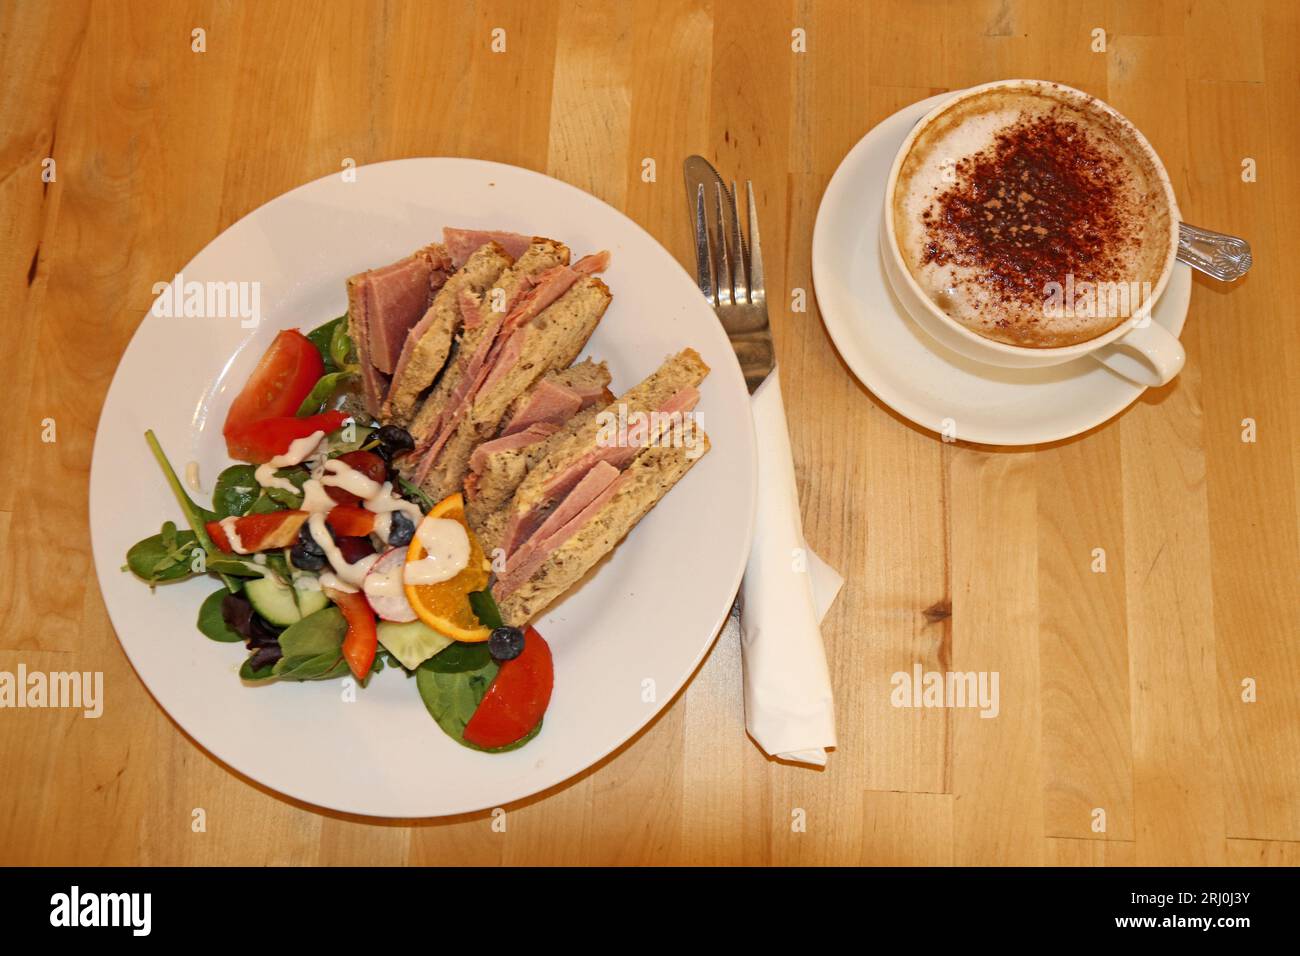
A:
[306,559]
[394,439]
[506,643]
[307,542]
[401,529]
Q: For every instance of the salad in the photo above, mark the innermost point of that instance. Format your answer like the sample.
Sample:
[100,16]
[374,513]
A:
[329,565]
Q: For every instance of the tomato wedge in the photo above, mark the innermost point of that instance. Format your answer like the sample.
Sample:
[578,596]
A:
[362,639]
[517,698]
[261,441]
[282,379]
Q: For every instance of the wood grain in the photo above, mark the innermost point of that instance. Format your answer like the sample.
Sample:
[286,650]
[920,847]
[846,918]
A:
[1121,689]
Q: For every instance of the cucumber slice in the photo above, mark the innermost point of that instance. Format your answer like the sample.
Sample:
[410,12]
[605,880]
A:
[412,643]
[309,602]
[273,601]
[282,605]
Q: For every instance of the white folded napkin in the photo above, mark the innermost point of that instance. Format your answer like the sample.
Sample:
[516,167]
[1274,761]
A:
[787,589]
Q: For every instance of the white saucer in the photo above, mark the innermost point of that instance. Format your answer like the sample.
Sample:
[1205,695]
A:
[907,369]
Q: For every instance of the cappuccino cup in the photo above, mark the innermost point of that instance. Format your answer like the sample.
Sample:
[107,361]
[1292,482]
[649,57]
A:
[1028,224]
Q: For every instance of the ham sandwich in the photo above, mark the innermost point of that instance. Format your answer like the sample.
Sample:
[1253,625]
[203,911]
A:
[470,345]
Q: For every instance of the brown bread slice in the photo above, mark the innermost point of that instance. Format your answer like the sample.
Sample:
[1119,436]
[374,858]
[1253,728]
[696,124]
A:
[424,357]
[543,254]
[587,378]
[414,279]
[679,371]
[503,471]
[550,341]
[641,486]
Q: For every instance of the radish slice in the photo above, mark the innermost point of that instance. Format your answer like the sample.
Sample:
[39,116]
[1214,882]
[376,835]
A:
[383,587]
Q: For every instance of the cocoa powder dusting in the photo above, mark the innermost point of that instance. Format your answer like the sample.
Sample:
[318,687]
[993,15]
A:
[1040,202]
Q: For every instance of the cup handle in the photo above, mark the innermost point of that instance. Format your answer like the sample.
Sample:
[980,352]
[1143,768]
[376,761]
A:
[1149,354]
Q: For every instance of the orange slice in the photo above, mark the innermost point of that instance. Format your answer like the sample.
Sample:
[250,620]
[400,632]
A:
[445,606]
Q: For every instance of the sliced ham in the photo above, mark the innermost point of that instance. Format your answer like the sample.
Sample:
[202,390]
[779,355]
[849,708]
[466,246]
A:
[523,526]
[471,306]
[590,265]
[551,536]
[373,386]
[548,402]
[396,298]
[590,394]
[469,374]
[538,431]
[413,338]
[383,306]
[683,400]
[461,243]
[547,288]
[462,396]
[497,349]
[597,479]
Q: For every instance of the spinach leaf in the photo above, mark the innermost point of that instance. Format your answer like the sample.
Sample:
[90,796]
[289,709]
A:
[234,567]
[165,556]
[315,634]
[326,387]
[415,494]
[278,564]
[341,353]
[235,491]
[276,499]
[361,436]
[452,696]
[313,648]
[196,517]
[213,624]
[264,504]
[248,673]
[322,336]
[311,667]
[297,477]
[459,658]
[452,684]
[485,609]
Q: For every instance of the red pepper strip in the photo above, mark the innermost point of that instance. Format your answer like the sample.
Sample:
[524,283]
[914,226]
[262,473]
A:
[362,639]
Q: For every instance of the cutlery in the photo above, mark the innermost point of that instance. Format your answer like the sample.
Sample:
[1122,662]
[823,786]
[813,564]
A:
[1215,253]
[729,267]
[729,270]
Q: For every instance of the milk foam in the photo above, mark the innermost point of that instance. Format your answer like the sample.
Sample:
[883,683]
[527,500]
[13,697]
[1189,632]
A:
[940,162]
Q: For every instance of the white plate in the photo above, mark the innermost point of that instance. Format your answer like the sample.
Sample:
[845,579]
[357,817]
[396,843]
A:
[915,375]
[624,642]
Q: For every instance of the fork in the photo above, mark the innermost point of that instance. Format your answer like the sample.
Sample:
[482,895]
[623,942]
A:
[729,269]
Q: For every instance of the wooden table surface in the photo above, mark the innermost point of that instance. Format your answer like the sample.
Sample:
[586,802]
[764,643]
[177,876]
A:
[1121,691]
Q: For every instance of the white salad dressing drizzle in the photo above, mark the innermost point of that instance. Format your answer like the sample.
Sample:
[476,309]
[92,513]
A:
[232,534]
[339,474]
[386,583]
[375,496]
[447,552]
[315,498]
[384,504]
[352,574]
[299,449]
[306,582]
[329,579]
[192,477]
